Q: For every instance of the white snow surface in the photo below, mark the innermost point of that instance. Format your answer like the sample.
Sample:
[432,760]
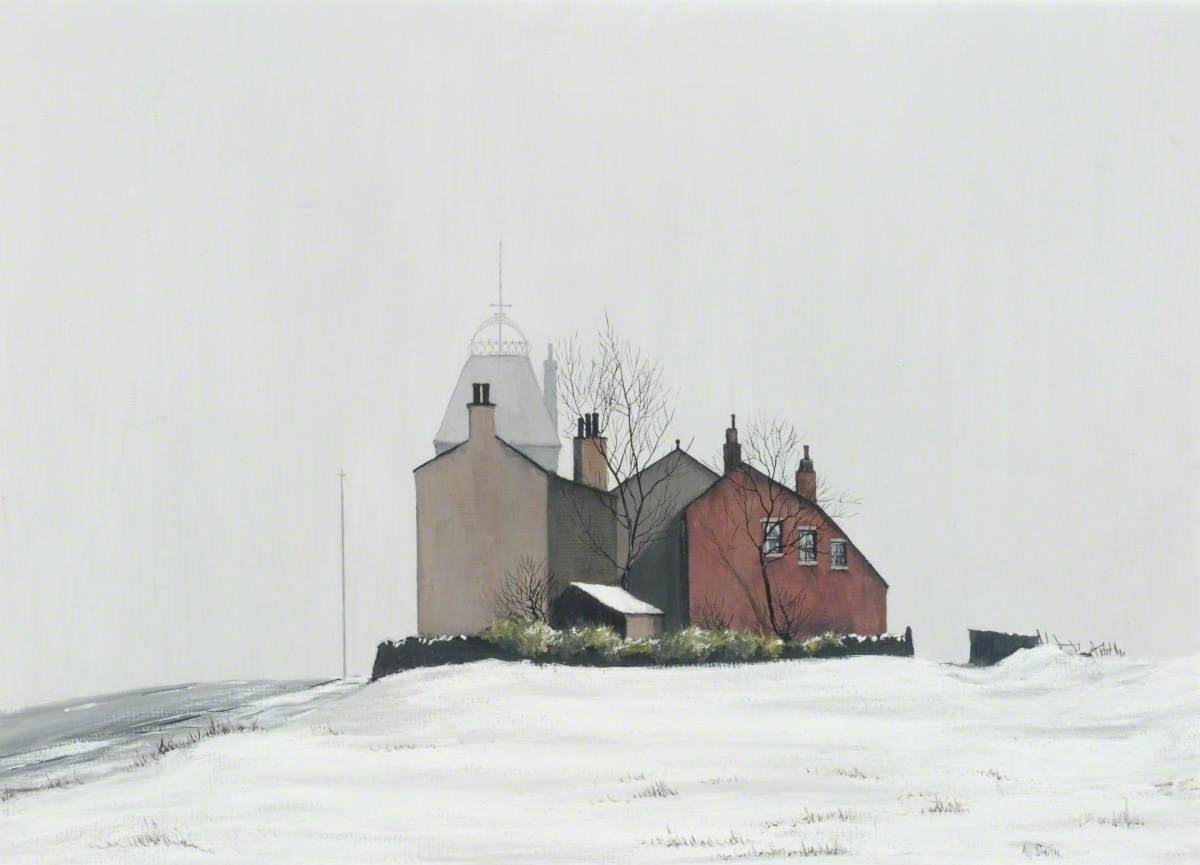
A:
[874,759]
[616,598]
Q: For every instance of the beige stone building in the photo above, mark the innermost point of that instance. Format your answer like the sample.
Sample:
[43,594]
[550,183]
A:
[491,496]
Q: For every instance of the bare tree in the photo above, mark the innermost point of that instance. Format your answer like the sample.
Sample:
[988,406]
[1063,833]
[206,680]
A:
[527,594]
[767,515]
[636,409]
[712,616]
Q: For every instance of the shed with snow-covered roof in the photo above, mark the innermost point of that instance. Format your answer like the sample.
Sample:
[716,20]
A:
[597,604]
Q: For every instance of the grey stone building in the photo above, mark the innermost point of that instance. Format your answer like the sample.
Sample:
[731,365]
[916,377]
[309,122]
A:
[655,575]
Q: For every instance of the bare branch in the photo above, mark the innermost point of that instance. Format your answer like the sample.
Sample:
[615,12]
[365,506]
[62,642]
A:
[616,379]
[527,594]
[767,515]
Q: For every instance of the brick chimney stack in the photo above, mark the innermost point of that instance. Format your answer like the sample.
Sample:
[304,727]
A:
[590,467]
[806,478]
[733,450]
[481,412]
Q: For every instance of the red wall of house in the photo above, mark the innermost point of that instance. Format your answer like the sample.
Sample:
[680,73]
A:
[723,570]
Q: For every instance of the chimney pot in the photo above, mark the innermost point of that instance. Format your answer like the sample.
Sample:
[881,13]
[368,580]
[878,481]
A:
[806,478]
[590,466]
[733,450]
[481,420]
[487,396]
[579,432]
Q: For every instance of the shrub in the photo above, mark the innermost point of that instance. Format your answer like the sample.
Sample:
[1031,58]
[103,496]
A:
[520,636]
[631,650]
[538,641]
[599,639]
[730,645]
[688,645]
[815,645]
[527,594]
[769,646]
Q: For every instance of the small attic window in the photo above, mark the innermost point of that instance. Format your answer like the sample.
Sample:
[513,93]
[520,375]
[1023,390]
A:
[837,554]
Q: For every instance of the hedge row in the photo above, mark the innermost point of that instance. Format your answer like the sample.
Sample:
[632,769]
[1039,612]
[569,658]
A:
[510,640]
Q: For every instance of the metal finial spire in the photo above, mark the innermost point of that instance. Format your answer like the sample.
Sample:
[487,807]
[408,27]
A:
[516,343]
[501,306]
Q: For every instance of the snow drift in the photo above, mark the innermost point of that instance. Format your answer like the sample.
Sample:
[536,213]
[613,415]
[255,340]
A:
[865,759]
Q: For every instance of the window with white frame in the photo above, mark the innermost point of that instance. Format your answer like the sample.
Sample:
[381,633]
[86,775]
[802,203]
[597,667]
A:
[806,546]
[772,544]
[837,553]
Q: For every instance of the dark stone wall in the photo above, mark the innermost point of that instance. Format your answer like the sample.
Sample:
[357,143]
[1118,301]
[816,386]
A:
[414,652]
[573,556]
[989,647]
[882,644]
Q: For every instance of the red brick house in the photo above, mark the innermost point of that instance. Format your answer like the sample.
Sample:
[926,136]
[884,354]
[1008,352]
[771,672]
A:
[744,522]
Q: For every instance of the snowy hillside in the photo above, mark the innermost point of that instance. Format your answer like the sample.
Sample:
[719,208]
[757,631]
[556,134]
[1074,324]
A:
[867,759]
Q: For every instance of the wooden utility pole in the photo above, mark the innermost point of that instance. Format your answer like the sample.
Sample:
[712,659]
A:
[342,497]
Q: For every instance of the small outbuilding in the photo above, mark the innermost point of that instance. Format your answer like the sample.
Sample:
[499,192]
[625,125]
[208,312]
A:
[991,647]
[596,604]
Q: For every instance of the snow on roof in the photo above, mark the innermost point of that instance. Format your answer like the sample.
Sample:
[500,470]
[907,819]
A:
[616,598]
[521,416]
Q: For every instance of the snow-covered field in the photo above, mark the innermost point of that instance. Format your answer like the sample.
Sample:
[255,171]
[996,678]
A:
[867,759]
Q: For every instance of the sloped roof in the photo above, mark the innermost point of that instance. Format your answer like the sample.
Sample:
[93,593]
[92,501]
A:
[521,416]
[789,491]
[671,462]
[616,598]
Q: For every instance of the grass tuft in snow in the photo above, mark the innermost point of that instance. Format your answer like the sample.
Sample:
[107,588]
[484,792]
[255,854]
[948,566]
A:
[657,790]
[402,746]
[673,840]
[195,737]
[61,781]
[809,817]
[1124,819]
[938,805]
[855,773]
[154,835]
[804,851]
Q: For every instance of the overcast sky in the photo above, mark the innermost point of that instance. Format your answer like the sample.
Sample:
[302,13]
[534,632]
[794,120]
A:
[244,246]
